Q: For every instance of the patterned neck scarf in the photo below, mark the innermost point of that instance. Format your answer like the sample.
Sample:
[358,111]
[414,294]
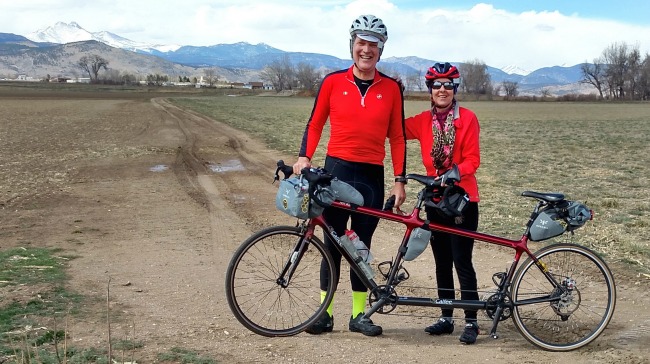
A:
[444,134]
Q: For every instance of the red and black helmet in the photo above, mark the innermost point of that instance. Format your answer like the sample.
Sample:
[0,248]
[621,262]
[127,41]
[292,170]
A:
[442,70]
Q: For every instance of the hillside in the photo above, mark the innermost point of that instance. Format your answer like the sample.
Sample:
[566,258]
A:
[61,60]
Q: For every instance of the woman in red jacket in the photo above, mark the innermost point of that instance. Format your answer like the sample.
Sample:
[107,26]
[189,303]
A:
[449,135]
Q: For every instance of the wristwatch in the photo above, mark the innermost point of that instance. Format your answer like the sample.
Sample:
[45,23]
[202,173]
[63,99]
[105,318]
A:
[400,179]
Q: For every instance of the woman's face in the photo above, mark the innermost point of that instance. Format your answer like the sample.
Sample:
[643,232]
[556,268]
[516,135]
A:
[365,55]
[441,95]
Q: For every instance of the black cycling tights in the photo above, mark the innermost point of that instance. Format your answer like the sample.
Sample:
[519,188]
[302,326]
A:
[455,251]
[368,179]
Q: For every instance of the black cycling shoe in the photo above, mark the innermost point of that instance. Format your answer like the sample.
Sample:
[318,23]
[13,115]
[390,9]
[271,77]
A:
[364,325]
[444,326]
[470,333]
[324,324]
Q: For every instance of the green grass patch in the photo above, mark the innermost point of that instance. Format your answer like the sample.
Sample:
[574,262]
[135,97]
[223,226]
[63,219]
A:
[33,302]
[28,266]
[180,355]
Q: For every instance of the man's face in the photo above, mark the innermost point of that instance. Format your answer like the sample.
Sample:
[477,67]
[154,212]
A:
[365,54]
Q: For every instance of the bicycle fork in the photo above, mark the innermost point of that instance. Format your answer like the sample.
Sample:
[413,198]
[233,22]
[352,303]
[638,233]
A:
[296,255]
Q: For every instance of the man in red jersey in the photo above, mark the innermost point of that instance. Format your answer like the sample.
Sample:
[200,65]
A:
[364,107]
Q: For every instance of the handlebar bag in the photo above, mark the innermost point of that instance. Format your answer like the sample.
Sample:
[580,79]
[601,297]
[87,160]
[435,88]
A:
[451,203]
[294,200]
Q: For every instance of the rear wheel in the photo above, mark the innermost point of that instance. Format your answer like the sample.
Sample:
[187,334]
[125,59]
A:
[273,281]
[580,307]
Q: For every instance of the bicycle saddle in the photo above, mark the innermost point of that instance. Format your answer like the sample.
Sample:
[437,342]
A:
[545,196]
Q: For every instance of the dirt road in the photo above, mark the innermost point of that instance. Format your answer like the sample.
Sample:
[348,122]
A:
[152,200]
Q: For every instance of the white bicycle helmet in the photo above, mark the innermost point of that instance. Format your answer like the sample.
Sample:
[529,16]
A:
[370,28]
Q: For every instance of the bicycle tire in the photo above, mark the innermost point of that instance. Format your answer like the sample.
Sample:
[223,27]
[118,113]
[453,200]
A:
[254,294]
[581,314]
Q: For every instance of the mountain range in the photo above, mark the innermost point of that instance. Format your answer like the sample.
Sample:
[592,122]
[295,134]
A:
[56,49]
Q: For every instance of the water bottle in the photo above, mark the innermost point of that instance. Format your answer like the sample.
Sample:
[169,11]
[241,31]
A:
[348,245]
[362,249]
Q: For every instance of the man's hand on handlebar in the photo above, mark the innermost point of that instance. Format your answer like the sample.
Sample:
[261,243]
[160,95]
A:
[303,162]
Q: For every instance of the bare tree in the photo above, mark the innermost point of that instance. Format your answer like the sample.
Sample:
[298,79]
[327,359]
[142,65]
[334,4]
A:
[414,81]
[307,76]
[279,73]
[594,74]
[211,76]
[476,79]
[644,79]
[157,79]
[128,79]
[511,89]
[112,76]
[497,89]
[622,63]
[633,73]
[92,65]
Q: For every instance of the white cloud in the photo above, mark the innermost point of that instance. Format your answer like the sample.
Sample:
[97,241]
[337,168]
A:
[529,39]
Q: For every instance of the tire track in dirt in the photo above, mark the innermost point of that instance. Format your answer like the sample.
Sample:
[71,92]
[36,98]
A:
[188,165]
[212,189]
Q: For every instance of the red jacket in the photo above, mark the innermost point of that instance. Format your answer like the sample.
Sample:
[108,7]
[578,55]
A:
[359,125]
[466,145]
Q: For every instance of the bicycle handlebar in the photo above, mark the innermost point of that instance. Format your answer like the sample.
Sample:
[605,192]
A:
[285,169]
[316,177]
[319,177]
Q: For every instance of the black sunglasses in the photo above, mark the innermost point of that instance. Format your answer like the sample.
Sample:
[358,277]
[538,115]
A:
[447,85]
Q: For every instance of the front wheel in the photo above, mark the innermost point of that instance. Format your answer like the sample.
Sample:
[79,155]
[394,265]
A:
[273,281]
[565,301]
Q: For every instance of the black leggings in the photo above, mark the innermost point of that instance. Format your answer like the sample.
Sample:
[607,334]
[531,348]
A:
[452,250]
[368,179]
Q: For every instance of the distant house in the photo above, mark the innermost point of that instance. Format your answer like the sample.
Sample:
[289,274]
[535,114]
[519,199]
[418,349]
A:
[254,85]
[237,85]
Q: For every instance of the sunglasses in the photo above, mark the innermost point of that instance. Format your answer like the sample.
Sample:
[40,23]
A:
[436,85]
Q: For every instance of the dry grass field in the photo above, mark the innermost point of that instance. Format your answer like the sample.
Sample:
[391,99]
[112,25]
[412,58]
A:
[144,202]
[597,153]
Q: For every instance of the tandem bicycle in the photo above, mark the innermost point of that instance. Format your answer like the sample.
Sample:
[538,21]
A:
[559,298]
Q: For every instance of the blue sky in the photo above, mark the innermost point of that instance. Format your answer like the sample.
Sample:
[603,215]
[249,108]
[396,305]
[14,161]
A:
[526,34]
[627,11]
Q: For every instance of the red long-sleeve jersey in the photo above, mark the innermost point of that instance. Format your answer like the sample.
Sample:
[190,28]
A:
[359,125]
[467,153]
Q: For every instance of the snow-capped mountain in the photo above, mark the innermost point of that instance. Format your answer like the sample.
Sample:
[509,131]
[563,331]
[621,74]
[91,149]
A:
[515,70]
[63,33]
